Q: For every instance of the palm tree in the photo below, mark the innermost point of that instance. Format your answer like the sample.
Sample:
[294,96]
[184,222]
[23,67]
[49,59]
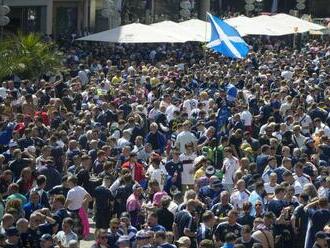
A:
[27,56]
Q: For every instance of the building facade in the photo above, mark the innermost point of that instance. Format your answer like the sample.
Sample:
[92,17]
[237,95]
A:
[75,16]
[50,16]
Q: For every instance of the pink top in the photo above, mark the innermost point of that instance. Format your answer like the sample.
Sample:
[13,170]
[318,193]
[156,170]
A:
[133,203]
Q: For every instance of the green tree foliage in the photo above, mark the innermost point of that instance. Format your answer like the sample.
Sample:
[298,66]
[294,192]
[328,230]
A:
[28,57]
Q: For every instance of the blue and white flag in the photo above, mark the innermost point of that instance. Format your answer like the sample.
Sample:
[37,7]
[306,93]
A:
[226,40]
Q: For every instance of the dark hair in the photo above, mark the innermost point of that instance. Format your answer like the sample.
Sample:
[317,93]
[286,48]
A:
[246,229]
[208,215]
[41,180]
[59,198]
[230,237]
[279,189]
[73,180]
[69,221]
[160,234]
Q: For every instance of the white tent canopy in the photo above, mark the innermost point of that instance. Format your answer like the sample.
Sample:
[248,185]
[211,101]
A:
[294,22]
[249,26]
[276,27]
[198,30]
[134,33]
[198,27]
[178,30]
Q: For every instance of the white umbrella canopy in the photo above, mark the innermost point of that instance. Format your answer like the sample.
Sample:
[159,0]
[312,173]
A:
[179,31]
[198,27]
[248,26]
[133,33]
[276,27]
[294,22]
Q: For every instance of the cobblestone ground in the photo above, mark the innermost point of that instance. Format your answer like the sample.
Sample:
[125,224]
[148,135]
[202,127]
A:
[88,243]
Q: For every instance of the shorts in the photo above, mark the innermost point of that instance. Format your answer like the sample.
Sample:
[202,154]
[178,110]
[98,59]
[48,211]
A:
[102,219]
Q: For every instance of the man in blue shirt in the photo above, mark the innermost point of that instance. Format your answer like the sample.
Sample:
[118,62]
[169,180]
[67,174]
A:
[153,225]
[103,198]
[160,240]
[205,229]
[33,204]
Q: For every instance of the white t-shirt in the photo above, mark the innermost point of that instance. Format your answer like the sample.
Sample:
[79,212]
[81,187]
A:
[159,174]
[246,117]
[304,179]
[238,198]
[184,138]
[231,165]
[189,105]
[187,175]
[305,122]
[76,197]
[270,189]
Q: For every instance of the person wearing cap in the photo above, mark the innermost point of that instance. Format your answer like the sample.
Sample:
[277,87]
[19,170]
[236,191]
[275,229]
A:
[183,242]
[103,204]
[209,193]
[143,239]
[46,241]
[123,242]
[321,240]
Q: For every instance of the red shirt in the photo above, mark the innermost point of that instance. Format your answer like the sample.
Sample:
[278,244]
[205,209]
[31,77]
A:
[136,169]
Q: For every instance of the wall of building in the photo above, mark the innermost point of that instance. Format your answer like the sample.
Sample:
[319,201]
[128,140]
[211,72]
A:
[46,15]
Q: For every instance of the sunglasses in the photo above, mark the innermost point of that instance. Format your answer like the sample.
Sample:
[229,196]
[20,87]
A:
[258,204]
[103,237]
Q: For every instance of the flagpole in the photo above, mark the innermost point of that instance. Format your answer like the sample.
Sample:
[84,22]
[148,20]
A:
[205,42]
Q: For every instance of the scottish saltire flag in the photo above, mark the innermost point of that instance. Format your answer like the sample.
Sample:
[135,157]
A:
[226,40]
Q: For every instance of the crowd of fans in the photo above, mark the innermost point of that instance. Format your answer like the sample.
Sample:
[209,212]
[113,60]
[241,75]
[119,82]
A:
[169,146]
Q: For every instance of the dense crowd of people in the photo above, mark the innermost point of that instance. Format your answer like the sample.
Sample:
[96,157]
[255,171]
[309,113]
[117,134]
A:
[169,146]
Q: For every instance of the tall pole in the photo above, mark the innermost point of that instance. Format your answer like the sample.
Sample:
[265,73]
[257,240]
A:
[2,27]
[204,8]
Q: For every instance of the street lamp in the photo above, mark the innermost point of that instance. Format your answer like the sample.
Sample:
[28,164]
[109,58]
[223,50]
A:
[4,19]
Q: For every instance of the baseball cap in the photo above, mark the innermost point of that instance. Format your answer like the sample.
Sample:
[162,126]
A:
[46,236]
[184,241]
[142,235]
[123,239]
[210,170]
[136,186]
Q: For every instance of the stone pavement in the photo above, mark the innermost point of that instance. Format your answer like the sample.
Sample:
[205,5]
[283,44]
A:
[88,243]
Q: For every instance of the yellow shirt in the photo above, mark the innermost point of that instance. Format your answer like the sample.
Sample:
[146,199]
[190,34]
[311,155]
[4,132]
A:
[199,173]
[116,80]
